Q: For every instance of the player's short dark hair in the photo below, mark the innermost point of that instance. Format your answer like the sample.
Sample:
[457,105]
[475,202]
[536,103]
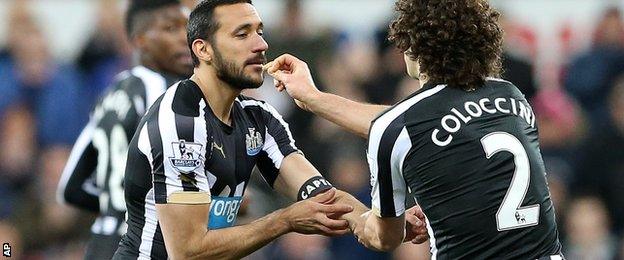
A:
[201,24]
[457,42]
[138,15]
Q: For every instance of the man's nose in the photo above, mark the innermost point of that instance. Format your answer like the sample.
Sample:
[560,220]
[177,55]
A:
[260,45]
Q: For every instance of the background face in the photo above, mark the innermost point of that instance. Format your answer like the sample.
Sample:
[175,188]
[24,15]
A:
[165,41]
[566,57]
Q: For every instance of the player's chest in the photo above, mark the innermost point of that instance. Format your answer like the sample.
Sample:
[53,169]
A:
[231,156]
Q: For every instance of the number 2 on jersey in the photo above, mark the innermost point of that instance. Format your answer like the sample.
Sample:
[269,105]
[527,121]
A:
[510,214]
[113,154]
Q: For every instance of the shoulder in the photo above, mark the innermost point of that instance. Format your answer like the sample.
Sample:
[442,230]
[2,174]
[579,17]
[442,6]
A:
[398,110]
[253,105]
[502,85]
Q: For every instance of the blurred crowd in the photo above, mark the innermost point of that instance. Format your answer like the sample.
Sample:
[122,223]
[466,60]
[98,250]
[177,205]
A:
[45,103]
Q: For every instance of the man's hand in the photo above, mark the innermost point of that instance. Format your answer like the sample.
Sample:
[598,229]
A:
[415,228]
[311,216]
[293,75]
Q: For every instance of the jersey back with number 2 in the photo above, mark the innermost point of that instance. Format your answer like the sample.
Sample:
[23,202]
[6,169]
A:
[474,166]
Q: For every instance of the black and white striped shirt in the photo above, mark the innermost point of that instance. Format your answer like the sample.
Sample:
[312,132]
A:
[93,176]
[181,148]
[472,161]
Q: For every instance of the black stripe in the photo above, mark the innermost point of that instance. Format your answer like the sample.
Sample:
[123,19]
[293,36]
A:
[160,186]
[384,174]
[267,168]
[158,249]
[185,127]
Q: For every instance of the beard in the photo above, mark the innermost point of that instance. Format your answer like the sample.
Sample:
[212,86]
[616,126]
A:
[233,75]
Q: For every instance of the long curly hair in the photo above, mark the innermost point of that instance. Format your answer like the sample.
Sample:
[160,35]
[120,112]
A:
[456,42]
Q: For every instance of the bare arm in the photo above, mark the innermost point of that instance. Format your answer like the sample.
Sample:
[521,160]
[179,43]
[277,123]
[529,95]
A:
[186,234]
[187,237]
[353,116]
[293,75]
[382,234]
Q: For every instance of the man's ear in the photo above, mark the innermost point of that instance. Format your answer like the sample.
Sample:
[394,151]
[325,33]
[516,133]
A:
[203,50]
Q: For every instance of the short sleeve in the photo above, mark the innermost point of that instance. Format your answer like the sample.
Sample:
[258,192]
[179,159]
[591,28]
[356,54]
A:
[278,142]
[389,144]
[175,146]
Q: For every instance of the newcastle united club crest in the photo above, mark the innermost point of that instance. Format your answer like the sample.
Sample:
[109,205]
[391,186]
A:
[254,142]
[187,156]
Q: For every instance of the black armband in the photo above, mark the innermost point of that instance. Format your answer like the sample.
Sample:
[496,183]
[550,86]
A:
[313,187]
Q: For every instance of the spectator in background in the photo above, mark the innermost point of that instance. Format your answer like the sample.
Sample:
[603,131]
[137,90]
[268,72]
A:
[42,113]
[600,168]
[107,52]
[590,76]
[33,79]
[389,72]
[588,231]
[516,68]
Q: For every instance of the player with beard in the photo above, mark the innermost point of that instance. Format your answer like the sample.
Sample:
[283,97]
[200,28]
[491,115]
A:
[93,177]
[193,153]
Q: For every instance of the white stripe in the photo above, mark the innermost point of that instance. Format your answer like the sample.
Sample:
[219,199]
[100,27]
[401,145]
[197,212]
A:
[149,229]
[497,79]
[145,147]
[168,135]
[272,150]
[155,84]
[377,130]
[274,113]
[556,257]
[79,147]
[401,148]
[240,189]
[432,240]
[201,136]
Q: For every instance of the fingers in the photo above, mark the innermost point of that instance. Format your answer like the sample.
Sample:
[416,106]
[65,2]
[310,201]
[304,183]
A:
[414,221]
[332,223]
[336,209]
[420,239]
[333,232]
[286,62]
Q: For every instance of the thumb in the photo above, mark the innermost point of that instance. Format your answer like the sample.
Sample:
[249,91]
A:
[324,197]
[280,76]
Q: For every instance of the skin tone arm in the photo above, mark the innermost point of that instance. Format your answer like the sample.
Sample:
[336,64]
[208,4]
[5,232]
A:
[376,233]
[293,75]
[354,116]
[186,234]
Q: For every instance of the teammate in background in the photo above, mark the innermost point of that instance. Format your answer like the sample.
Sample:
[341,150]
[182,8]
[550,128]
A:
[93,177]
[464,143]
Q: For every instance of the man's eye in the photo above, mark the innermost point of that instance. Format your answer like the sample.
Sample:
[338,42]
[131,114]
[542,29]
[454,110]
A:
[241,35]
[261,33]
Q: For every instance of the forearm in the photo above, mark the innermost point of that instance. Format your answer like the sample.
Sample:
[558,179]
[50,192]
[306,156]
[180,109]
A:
[355,217]
[369,231]
[239,241]
[354,116]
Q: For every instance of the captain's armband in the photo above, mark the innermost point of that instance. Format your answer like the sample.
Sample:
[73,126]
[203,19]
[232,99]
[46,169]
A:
[313,187]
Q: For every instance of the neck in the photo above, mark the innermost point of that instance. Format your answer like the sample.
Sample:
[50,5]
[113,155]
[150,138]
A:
[422,80]
[149,63]
[219,94]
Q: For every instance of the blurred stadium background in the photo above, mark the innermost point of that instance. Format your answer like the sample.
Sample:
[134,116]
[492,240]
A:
[567,56]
